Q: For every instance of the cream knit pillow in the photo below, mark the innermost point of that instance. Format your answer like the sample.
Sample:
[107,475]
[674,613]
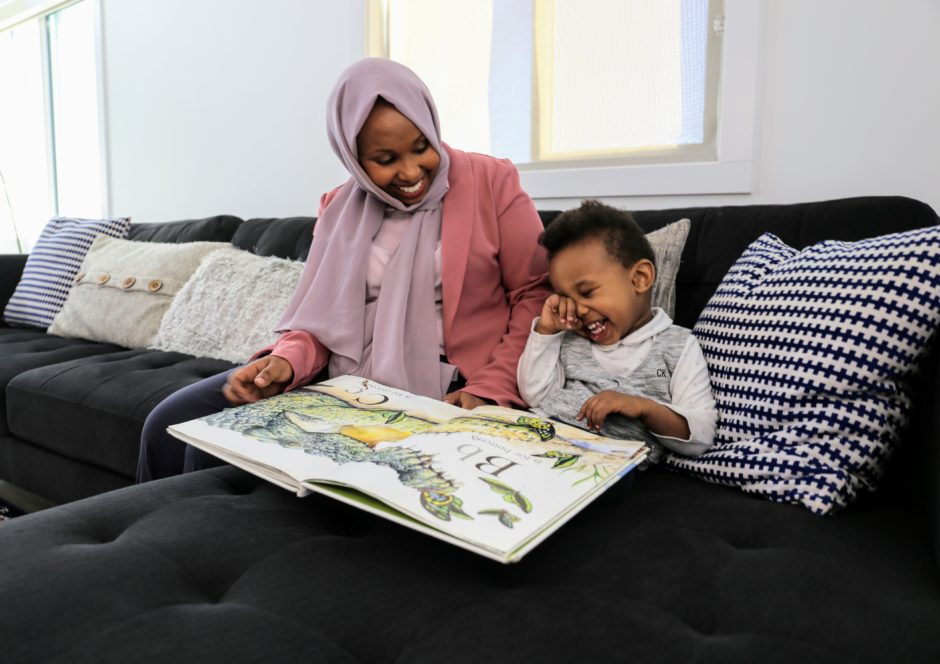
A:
[124,288]
[231,306]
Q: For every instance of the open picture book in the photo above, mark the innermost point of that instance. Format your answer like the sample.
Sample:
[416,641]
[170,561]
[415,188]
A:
[492,480]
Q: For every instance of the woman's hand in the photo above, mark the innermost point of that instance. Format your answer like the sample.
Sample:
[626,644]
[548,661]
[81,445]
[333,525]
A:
[559,313]
[260,379]
[465,400]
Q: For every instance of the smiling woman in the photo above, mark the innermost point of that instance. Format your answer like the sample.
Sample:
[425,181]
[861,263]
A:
[424,272]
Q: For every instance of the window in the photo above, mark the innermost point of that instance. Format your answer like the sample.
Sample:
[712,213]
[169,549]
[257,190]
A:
[623,78]
[51,161]
[599,98]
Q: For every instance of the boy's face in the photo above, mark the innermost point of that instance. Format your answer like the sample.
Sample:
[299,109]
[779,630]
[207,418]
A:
[612,300]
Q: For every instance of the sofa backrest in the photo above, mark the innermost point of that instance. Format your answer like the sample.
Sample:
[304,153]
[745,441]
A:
[288,237]
[718,235]
[220,228]
[284,237]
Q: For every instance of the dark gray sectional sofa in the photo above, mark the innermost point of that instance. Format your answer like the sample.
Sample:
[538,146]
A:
[220,566]
[72,410]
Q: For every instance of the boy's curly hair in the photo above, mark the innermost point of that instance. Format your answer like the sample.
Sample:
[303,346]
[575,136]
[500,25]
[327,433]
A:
[622,237]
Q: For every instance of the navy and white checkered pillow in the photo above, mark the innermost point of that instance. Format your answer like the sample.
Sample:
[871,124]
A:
[52,265]
[811,354]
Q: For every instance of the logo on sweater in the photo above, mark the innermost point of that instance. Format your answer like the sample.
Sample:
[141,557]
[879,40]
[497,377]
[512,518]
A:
[662,373]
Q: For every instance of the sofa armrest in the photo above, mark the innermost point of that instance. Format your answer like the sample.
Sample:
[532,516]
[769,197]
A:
[931,443]
[913,474]
[11,269]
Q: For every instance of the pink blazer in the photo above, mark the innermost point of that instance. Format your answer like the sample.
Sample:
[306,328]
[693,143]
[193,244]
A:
[494,279]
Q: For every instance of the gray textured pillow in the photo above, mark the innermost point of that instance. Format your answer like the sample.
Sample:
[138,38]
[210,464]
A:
[124,288]
[668,243]
[230,308]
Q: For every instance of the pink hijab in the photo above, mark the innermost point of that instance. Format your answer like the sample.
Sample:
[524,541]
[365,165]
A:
[395,342]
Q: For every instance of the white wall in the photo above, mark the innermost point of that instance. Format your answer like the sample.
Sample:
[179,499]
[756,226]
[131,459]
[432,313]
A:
[217,106]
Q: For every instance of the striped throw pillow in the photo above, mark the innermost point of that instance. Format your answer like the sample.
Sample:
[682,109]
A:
[52,266]
[811,355]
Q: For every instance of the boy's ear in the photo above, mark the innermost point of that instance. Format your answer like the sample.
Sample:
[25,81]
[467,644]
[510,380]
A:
[644,274]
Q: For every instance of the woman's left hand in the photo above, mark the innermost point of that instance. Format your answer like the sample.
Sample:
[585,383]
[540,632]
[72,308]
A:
[465,400]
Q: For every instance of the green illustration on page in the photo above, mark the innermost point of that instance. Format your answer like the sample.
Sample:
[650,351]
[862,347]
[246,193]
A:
[421,462]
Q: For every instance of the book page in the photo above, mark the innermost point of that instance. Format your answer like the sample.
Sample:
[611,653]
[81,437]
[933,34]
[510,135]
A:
[306,434]
[492,476]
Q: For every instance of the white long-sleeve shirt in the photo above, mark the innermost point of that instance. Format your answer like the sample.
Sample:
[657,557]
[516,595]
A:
[540,371]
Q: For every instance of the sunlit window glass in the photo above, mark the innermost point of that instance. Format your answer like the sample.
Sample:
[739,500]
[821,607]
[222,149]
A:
[75,111]
[460,82]
[25,200]
[623,75]
[562,80]
[50,148]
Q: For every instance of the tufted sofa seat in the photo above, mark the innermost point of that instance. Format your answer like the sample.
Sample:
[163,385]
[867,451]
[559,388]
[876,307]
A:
[218,566]
[100,402]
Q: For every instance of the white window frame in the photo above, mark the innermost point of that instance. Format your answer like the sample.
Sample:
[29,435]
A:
[731,173]
[19,11]
[733,170]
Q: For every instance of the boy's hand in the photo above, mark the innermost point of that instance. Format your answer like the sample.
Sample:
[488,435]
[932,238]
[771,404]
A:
[262,378]
[597,408]
[559,313]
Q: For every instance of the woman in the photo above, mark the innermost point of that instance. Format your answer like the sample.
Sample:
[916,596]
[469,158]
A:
[425,272]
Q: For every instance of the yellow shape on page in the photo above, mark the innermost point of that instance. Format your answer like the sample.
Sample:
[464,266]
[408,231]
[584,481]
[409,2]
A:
[372,434]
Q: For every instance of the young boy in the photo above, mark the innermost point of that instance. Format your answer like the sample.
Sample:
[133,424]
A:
[600,355]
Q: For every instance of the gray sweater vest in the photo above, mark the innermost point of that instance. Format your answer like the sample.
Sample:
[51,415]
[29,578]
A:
[584,378]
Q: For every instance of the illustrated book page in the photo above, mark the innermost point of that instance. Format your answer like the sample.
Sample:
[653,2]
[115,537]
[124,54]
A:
[493,480]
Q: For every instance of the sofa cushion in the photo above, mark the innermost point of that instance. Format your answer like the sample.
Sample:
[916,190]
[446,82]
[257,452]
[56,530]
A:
[289,237]
[99,403]
[218,566]
[125,287]
[52,265]
[56,478]
[22,349]
[208,316]
[220,228]
[667,243]
[811,356]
